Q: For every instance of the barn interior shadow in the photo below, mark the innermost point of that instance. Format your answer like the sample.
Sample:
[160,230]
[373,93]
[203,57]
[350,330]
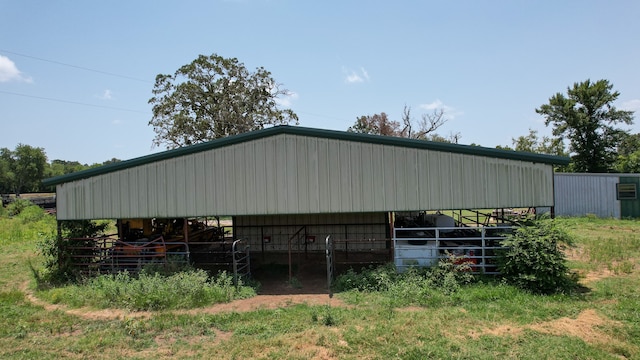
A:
[304,276]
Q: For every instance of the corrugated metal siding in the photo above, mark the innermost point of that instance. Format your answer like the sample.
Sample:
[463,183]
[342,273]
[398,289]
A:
[581,194]
[288,174]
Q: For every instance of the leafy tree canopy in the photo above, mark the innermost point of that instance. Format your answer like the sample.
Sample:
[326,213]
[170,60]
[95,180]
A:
[534,144]
[21,169]
[587,118]
[214,97]
[423,129]
[628,160]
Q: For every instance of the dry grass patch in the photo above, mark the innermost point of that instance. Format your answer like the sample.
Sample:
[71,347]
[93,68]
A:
[588,326]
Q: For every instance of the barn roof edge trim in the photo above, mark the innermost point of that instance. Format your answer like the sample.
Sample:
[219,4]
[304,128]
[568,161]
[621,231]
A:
[309,132]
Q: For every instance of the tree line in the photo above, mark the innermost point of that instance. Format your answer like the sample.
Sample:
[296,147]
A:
[585,127]
[23,169]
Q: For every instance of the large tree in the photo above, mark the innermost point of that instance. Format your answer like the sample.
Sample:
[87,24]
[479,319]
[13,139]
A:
[628,160]
[376,124]
[534,144]
[22,169]
[587,118]
[423,129]
[214,97]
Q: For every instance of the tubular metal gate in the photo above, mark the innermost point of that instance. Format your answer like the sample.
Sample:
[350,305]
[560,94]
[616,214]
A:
[426,246]
[109,255]
[241,259]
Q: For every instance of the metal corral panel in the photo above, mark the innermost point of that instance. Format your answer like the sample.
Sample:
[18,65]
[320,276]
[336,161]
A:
[581,194]
[280,228]
[296,174]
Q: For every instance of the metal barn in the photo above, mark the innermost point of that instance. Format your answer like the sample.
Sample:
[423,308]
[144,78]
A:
[288,189]
[603,195]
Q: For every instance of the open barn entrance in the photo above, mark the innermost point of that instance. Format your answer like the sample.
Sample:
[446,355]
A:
[290,250]
[291,254]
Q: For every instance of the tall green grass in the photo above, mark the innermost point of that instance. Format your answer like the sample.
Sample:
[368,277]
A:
[150,291]
[457,324]
[609,243]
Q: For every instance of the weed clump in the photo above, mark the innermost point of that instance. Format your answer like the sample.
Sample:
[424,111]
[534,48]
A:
[150,291]
[414,286]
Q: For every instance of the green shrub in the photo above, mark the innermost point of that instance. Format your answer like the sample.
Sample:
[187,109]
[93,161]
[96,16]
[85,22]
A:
[82,228]
[533,259]
[17,206]
[31,214]
[58,253]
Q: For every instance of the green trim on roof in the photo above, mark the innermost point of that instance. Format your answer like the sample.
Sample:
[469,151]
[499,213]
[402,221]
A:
[310,132]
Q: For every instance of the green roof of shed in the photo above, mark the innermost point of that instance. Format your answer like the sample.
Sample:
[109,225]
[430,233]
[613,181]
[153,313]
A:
[310,132]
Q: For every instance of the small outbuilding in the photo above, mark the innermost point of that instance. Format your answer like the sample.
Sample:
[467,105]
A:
[603,195]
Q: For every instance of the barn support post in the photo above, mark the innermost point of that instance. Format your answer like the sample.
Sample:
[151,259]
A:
[290,265]
[185,230]
[346,243]
[262,240]
[59,229]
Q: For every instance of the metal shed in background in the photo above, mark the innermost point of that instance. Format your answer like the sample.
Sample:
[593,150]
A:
[603,195]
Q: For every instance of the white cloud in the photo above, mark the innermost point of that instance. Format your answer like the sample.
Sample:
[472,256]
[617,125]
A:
[365,73]
[106,95]
[116,122]
[352,76]
[9,71]
[631,105]
[287,99]
[449,111]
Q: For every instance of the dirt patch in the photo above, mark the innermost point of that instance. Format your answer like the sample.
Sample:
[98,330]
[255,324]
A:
[576,254]
[587,277]
[502,330]
[266,302]
[586,326]
[592,276]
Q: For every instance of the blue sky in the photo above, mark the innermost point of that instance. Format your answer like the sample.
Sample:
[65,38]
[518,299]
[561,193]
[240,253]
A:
[76,76]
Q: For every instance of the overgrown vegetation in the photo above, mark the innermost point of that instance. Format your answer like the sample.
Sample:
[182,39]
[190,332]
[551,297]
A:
[534,259]
[58,252]
[416,286]
[482,319]
[155,288]
[151,291]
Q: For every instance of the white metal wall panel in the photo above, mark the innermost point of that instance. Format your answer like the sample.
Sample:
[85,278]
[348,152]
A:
[288,174]
[581,194]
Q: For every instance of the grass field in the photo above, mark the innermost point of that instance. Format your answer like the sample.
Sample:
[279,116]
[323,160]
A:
[485,320]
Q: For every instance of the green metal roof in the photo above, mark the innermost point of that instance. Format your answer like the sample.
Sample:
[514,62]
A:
[310,132]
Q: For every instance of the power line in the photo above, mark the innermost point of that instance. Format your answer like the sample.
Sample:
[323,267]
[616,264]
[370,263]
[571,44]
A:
[109,74]
[72,102]
[77,67]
